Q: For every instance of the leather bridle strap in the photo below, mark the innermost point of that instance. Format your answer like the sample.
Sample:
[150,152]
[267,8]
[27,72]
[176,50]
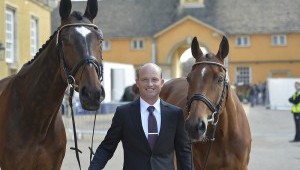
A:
[69,25]
[202,98]
[211,62]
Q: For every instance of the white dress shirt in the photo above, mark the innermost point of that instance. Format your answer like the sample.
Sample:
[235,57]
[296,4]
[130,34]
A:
[145,113]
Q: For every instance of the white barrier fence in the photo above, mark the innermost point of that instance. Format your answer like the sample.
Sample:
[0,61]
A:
[84,120]
[280,90]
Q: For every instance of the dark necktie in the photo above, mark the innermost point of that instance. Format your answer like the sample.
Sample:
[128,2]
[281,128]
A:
[152,127]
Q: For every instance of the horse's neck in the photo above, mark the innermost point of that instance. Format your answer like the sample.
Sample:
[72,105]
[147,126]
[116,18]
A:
[230,113]
[39,84]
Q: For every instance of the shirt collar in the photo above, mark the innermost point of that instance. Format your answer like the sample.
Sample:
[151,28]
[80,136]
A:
[144,105]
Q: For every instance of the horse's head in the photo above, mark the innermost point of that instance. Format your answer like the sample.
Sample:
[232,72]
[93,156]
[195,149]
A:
[207,88]
[79,43]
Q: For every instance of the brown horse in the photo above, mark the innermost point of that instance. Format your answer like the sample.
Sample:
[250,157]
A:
[209,104]
[32,134]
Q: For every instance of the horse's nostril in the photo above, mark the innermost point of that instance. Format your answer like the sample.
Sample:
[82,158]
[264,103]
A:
[201,127]
[84,92]
[97,96]
[90,95]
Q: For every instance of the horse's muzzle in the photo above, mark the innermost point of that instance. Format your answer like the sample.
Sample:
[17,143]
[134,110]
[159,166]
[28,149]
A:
[196,129]
[90,98]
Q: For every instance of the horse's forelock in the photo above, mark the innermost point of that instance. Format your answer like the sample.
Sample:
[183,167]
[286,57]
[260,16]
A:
[78,15]
[209,55]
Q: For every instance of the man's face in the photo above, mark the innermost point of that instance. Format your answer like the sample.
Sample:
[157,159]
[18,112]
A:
[149,83]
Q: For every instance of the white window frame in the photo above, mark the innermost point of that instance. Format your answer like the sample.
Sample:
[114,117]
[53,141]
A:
[34,35]
[138,44]
[279,40]
[106,45]
[242,41]
[192,3]
[243,74]
[10,50]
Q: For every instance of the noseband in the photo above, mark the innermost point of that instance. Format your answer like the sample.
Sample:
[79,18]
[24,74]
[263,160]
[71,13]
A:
[200,97]
[70,73]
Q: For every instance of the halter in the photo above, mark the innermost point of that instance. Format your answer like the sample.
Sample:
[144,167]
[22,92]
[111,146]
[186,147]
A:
[214,109]
[70,73]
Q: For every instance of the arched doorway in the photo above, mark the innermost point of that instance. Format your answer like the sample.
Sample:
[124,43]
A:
[187,61]
[180,59]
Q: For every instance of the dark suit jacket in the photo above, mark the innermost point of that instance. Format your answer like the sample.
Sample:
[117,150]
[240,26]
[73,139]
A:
[127,127]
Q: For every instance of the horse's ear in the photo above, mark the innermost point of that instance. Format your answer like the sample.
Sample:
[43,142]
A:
[223,49]
[65,8]
[91,9]
[196,51]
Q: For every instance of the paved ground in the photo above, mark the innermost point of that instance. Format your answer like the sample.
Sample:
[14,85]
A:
[271,131]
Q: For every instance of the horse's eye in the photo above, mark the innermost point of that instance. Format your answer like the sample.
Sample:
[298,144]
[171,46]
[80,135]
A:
[220,79]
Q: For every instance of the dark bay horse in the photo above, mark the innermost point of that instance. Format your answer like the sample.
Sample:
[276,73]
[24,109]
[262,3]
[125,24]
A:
[32,134]
[208,102]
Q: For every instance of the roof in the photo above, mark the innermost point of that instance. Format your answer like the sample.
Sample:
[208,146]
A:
[140,18]
[43,3]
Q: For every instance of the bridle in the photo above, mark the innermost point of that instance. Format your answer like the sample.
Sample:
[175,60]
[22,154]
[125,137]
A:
[70,73]
[214,109]
[200,97]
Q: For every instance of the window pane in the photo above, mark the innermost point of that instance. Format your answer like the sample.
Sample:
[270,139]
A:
[243,75]
[141,44]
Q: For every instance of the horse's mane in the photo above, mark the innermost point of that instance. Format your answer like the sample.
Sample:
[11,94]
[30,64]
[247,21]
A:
[42,48]
[78,15]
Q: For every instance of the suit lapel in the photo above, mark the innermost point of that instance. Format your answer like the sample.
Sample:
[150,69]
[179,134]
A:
[138,122]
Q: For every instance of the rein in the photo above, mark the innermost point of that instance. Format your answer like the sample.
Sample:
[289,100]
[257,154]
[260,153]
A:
[214,109]
[70,74]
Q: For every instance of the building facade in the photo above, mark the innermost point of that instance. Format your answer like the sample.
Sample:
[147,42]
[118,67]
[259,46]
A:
[263,35]
[25,26]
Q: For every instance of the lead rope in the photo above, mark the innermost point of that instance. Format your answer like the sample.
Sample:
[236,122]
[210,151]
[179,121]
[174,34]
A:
[77,151]
[210,145]
[92,143]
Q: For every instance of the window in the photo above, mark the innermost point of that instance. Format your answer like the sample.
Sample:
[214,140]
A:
[242,41]
[106,45]
[192,3]
[138,44]
[33,36]
[279,40]
[10,35]
[243,74]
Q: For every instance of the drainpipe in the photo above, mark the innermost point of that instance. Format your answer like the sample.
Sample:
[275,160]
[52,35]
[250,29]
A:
[153,51]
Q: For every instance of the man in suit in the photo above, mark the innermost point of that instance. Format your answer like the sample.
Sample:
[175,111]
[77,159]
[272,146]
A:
[149,128]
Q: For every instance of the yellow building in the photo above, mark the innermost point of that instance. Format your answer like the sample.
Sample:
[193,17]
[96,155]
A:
[264,36]
[25,26]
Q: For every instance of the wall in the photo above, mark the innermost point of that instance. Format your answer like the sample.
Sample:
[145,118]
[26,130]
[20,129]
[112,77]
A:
[24,10]
[121,52]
